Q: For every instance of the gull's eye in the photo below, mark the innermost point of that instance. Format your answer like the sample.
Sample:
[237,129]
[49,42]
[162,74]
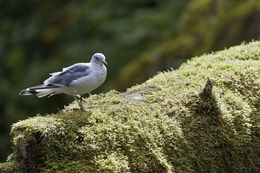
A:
[96,57]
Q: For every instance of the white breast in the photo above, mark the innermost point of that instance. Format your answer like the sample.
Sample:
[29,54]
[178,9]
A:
[86,84]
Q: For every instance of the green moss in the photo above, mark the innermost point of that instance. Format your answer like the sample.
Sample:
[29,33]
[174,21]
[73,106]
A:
[170,123]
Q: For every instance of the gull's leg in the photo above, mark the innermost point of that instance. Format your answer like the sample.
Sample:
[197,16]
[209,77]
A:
[78,98]
[80,103]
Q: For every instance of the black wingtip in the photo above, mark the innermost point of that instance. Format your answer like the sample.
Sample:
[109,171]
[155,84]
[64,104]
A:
[27,92]
[22,92]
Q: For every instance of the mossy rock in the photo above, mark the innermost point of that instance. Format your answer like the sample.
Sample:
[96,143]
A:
[177,121]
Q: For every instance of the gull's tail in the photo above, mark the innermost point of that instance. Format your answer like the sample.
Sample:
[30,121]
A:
[41,91]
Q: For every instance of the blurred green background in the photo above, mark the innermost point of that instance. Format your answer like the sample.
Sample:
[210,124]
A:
[138,37]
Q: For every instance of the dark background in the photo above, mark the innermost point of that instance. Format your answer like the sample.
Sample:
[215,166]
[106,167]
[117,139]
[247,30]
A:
[138,37]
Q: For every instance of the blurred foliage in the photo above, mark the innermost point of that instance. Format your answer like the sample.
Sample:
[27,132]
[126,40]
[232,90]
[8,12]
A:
[38,37]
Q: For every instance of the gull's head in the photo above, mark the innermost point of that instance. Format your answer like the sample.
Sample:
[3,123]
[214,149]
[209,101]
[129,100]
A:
[99,58]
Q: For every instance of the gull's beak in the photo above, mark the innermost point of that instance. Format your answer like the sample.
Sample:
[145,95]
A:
[105,63]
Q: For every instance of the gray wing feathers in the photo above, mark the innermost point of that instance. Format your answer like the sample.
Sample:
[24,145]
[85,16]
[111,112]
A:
[68,74]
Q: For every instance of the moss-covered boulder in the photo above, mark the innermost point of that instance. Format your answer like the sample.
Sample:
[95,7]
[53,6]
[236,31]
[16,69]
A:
[177,121]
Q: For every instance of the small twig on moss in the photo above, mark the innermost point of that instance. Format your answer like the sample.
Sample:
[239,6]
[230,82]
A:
[207,91]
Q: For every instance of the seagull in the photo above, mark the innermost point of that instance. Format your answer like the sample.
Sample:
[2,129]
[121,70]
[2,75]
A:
[75,80]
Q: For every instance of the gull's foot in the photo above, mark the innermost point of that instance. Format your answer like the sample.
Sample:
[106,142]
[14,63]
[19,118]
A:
[81,106]
[83,109]
[75,108]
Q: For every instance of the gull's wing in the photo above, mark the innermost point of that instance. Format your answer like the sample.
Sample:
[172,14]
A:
[68,75]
